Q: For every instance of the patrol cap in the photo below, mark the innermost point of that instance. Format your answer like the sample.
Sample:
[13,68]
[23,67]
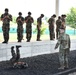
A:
[20,13]
[6,9]
[29,13]
[42,15]
[54,15]
[63,15]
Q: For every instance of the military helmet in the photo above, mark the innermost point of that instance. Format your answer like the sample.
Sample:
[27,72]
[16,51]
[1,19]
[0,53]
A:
[20,13]
[29,13]
[6,9]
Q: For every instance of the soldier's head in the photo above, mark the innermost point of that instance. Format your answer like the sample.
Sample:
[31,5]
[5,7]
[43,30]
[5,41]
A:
[54,16]
[29,13]
[59,17]
[42,15]
[62,30]
[19,13]
[6,10]
[63,16]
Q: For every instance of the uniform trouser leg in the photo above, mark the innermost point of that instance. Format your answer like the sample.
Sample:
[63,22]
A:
[66,59]
[6,35]
[61,59]
[38,34]
[57,34]
[50,35]
[28,35]
[20,35]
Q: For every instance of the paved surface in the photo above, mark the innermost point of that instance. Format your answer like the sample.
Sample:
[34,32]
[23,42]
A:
[47,64]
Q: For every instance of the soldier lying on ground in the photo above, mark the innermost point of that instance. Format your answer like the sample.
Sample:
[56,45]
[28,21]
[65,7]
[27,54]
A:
[15,59]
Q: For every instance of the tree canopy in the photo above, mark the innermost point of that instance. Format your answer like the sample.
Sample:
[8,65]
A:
[71,18]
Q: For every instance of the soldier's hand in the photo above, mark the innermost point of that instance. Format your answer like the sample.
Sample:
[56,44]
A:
[7,16]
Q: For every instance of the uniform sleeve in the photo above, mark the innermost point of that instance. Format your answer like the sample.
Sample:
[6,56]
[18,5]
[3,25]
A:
[58,42]
[22,18]
[32,20]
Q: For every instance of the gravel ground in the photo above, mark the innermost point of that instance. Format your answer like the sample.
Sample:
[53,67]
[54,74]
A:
[46,64]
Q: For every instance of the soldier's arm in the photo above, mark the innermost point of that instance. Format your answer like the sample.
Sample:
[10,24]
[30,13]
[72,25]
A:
[22,20]
[58,42]
[9,17]
[32,20]
[26,19]
[2,17]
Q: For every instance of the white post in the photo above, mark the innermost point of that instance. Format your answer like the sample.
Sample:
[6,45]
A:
[57,8]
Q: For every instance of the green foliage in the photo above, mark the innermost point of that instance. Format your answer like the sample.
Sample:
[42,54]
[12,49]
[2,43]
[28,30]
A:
[71,18]
[42,31]
[14,19]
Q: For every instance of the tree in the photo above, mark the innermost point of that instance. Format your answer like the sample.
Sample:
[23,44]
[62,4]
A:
[71,18]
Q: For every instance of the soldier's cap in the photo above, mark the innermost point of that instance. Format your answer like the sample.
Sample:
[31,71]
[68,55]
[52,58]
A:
[63,15]
[29,13]
[42,15]
[54,15]
[20,13]
[6,9]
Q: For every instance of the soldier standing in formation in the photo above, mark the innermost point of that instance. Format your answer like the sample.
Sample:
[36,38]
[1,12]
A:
[6,18]
[20,22]
[51,22]
[39,22]
[63,21]
[58,25]
[29,20]
[64,48]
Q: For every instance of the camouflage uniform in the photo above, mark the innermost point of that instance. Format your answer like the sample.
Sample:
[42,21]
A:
[58,25]
[39,22]
[6,18]
[14,61]
[20,21]
[63,21]
[51,22]
[29,20]
[64,49]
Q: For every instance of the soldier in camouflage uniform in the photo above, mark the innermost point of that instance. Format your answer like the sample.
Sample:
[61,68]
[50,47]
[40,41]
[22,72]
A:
[29,20]
[64,49]
[39,22]
[63,21]
[15,60]
[58,25]
[6,18]
[51,22]
[20,22]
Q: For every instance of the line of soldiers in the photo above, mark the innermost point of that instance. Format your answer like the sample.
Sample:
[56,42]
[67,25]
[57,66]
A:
[6,18]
